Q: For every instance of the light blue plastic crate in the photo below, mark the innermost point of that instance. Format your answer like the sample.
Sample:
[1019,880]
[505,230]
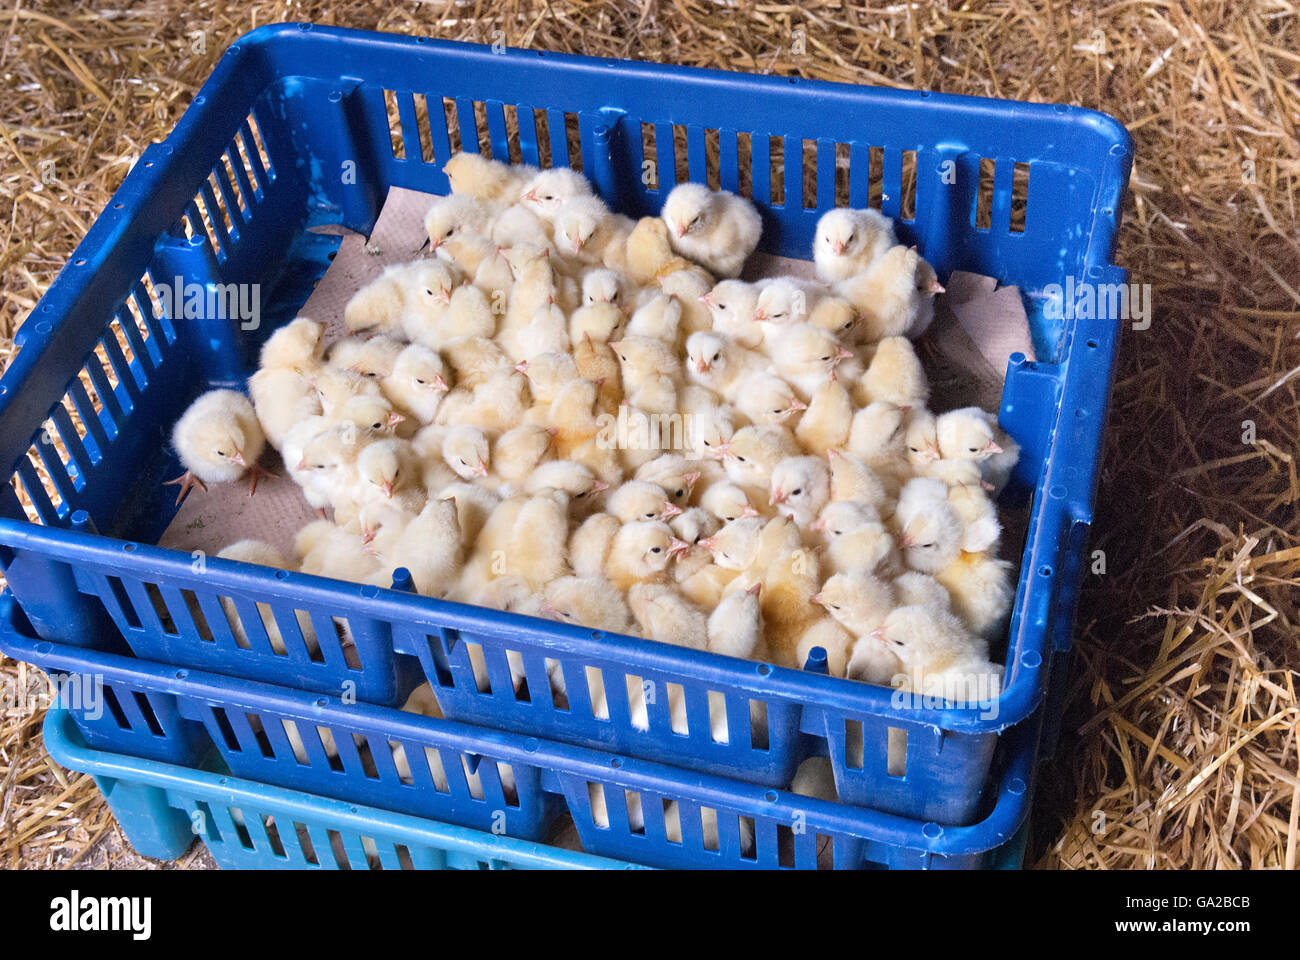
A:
[162,807]
[755,827]
[267,140]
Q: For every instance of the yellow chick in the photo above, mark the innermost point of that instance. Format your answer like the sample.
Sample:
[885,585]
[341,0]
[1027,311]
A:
[767,399]
[877,438]
[675,474]
[517,452]
[295,346]
[547,373]
[640,553]
[474,504]
[859,601]
[548,190]
[755,451]
[827,421]
[469,314]
[940,657]
[728,502]
[335,387]
[806,357]
[486,179]
[720,364]
[597,362]
[664,615]
[218,440]
[894,375]
[856,540]
[324,550]
[687,287]
[426,287]
[714,228]
[589,544]
[429,547]
[847,242]
[837,642]
[973,434]
[799,488]
[981,590]
[590,601]
[417,384]
[648,252]
[459,228]
[473,360]
[640,500]
[886,294]
[651,373]
[586,230]
[914,589]
[600,322]
[659,317]
[981,529]
[282,398]
[731,305]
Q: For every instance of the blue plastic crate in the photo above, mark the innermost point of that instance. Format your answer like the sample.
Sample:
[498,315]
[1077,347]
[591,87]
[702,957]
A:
[266,140]
[162,807]
[752,826]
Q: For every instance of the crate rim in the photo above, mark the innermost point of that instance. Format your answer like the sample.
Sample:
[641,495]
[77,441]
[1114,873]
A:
[1010,809]
[63,743]
[1016,701]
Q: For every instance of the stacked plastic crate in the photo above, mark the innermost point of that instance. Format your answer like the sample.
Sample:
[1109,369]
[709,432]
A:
[231,196]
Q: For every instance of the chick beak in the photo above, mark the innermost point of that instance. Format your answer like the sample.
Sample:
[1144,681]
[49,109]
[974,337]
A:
[844,354]
[440,384]
[676,546]
[239,457]
[819,524]
[993,447]
[552,432]
[577,245]
[522,367]
[482,469]
[530,195]
[878,634]
[832,454]
[756,589]
[395,418]
[748,511]
[387,487]
[547,607]
[434,245]
[721,451]
[778,496]
[796,405]
[931,451]
[907,541]
[707,299]
[937,287]
[366,536]
[444,295]
[690,479]
[302,465]
[817,598]
[681,230]
[838,247]
[760,316]
[702,366]
[670,510]
[598,486]
[708,543]
[832,377]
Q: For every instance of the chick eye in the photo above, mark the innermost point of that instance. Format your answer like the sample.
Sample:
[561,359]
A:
[837,532]
[835,606]
[742,459]
[707,444]
[698,538]
[419,381]
[729,519]
[915,449]
[450,231]
[716,357]
[650,515]
[974,449]
[826,357]
[462,462]
[851,237]
[428,291]
[656,549]
[377,426]
[797,492]
[680,493]
[926,546]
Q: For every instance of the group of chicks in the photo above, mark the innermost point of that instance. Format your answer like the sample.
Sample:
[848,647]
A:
[462,430]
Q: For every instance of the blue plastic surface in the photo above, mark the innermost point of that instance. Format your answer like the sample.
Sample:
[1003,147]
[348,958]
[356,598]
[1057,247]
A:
[260,157]
[787,830]
[252,826]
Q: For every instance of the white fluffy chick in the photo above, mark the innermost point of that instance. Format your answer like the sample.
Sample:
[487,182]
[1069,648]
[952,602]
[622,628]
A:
[474,504]
[474,360]
[458,227]
[426,287]
[735,627]
[281,398]
[517,452]
[767,399]
[941,658]
[604,286]
[931,537]
[640,553]
[218,439]
[386,470]
[736,546]
[295,346]
[325,550]
[973,434]
[835,641]
[417,384]
[467,451]
[727,502]
[640,500]
[720,364]
[546,332]
[981,529]
[915,589]
[806,357]
[547,373]
[859,601]
[666,616]
[586,230]
[731,305]
[468,314]
[518,224]
[783,302]
[876,436]
[852,479]
[920,440]
[694,524]
[848,241]
[799,488]
[894,375]
[547,192]
[674,473]
[318,456]
[715,228]
[687,287]
[590,542]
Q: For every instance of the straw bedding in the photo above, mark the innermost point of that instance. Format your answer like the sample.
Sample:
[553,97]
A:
[1179,742]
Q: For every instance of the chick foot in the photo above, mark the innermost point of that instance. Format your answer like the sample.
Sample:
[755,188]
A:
[187,482]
